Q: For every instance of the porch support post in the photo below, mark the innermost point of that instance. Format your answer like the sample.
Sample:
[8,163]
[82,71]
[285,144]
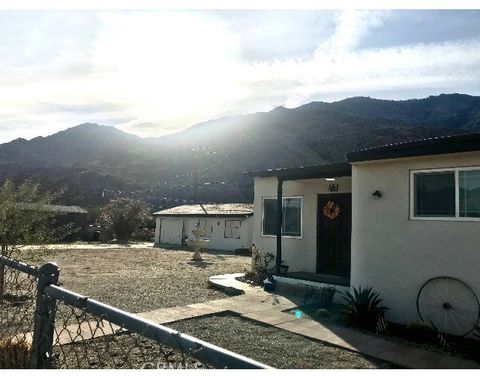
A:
[278,256]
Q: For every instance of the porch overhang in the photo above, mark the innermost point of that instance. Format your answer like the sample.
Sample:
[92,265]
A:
[343,169]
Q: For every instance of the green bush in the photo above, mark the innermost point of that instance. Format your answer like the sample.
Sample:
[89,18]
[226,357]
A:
[363,308]
[27,217]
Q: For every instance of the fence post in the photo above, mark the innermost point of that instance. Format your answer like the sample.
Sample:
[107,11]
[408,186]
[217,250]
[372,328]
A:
[44,324]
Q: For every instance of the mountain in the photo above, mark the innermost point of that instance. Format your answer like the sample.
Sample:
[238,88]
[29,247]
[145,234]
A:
[448,110]
[206,160]
[74,146]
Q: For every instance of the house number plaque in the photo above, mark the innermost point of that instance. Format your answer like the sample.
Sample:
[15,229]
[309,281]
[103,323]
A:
[333,187]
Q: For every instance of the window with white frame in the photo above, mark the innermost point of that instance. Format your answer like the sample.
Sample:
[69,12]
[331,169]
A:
[445,193]
[232,229]
[291,216]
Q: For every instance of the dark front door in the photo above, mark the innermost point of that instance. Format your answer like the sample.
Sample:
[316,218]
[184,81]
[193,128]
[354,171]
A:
[334,226]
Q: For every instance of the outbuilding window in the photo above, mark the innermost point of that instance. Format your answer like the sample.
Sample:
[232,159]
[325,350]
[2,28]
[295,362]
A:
[232,229]
[291,217]
[206,226]
[446,194]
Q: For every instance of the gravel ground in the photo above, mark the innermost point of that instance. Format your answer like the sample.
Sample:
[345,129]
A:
[272,346]
[137,279]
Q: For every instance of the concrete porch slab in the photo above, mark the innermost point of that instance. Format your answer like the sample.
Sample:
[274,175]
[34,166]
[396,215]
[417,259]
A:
[270,318]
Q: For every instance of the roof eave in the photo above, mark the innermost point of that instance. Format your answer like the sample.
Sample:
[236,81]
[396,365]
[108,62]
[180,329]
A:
[429,147]
[307,172]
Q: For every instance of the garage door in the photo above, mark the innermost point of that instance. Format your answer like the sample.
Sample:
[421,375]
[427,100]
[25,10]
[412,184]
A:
[171,231]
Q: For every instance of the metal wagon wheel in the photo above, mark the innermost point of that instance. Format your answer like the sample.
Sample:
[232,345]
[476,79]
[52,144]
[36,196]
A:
[449,304]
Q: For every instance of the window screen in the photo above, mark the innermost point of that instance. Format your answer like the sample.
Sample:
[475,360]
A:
[469,188]
[434,194]
[292,211]
[291,216]
[269,216]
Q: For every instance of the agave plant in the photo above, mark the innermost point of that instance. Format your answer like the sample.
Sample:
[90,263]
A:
[363,308]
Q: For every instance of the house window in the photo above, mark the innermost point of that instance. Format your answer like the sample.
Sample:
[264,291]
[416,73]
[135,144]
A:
[291,217]
[469,193]
[446,193]
[435,194]
[232,229]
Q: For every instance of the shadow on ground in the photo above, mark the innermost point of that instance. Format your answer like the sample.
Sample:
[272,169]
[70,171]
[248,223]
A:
[200,264]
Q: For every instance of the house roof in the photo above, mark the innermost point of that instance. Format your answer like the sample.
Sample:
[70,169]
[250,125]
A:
[423,147]
[223,209]
[56,208]
[307,172]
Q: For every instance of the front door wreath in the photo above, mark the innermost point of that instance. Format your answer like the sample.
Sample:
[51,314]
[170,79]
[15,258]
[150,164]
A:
[331,210]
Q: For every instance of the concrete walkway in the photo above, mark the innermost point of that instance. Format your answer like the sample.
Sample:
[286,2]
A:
[258,305]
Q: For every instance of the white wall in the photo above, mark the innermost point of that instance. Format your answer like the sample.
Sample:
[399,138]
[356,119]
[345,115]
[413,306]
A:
[217,238]
[397,255]
[299,253]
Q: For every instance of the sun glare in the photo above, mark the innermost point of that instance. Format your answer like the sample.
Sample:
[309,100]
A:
[168,61]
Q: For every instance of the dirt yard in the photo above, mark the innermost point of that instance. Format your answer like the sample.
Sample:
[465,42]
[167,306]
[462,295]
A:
[139,279]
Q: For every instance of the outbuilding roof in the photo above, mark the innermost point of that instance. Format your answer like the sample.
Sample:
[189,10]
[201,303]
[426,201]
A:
[215,209]
[424,147]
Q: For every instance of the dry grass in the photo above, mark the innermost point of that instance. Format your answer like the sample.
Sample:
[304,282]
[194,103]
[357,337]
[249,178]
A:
[140,279]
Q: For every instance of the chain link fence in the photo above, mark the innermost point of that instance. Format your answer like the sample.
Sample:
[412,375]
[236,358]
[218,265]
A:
[43,325]
[83,340]
[18,290]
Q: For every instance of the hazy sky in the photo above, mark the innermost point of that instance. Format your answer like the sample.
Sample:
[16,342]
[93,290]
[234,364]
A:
[153,72]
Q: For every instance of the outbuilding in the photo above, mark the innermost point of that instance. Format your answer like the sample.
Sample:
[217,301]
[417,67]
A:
[226,226]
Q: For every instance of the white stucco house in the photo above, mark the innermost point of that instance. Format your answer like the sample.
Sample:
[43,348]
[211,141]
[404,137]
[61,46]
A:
[226,226]
[392,217]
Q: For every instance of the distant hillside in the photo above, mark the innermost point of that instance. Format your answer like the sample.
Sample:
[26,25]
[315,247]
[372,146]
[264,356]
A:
[77,145]
[207,159]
